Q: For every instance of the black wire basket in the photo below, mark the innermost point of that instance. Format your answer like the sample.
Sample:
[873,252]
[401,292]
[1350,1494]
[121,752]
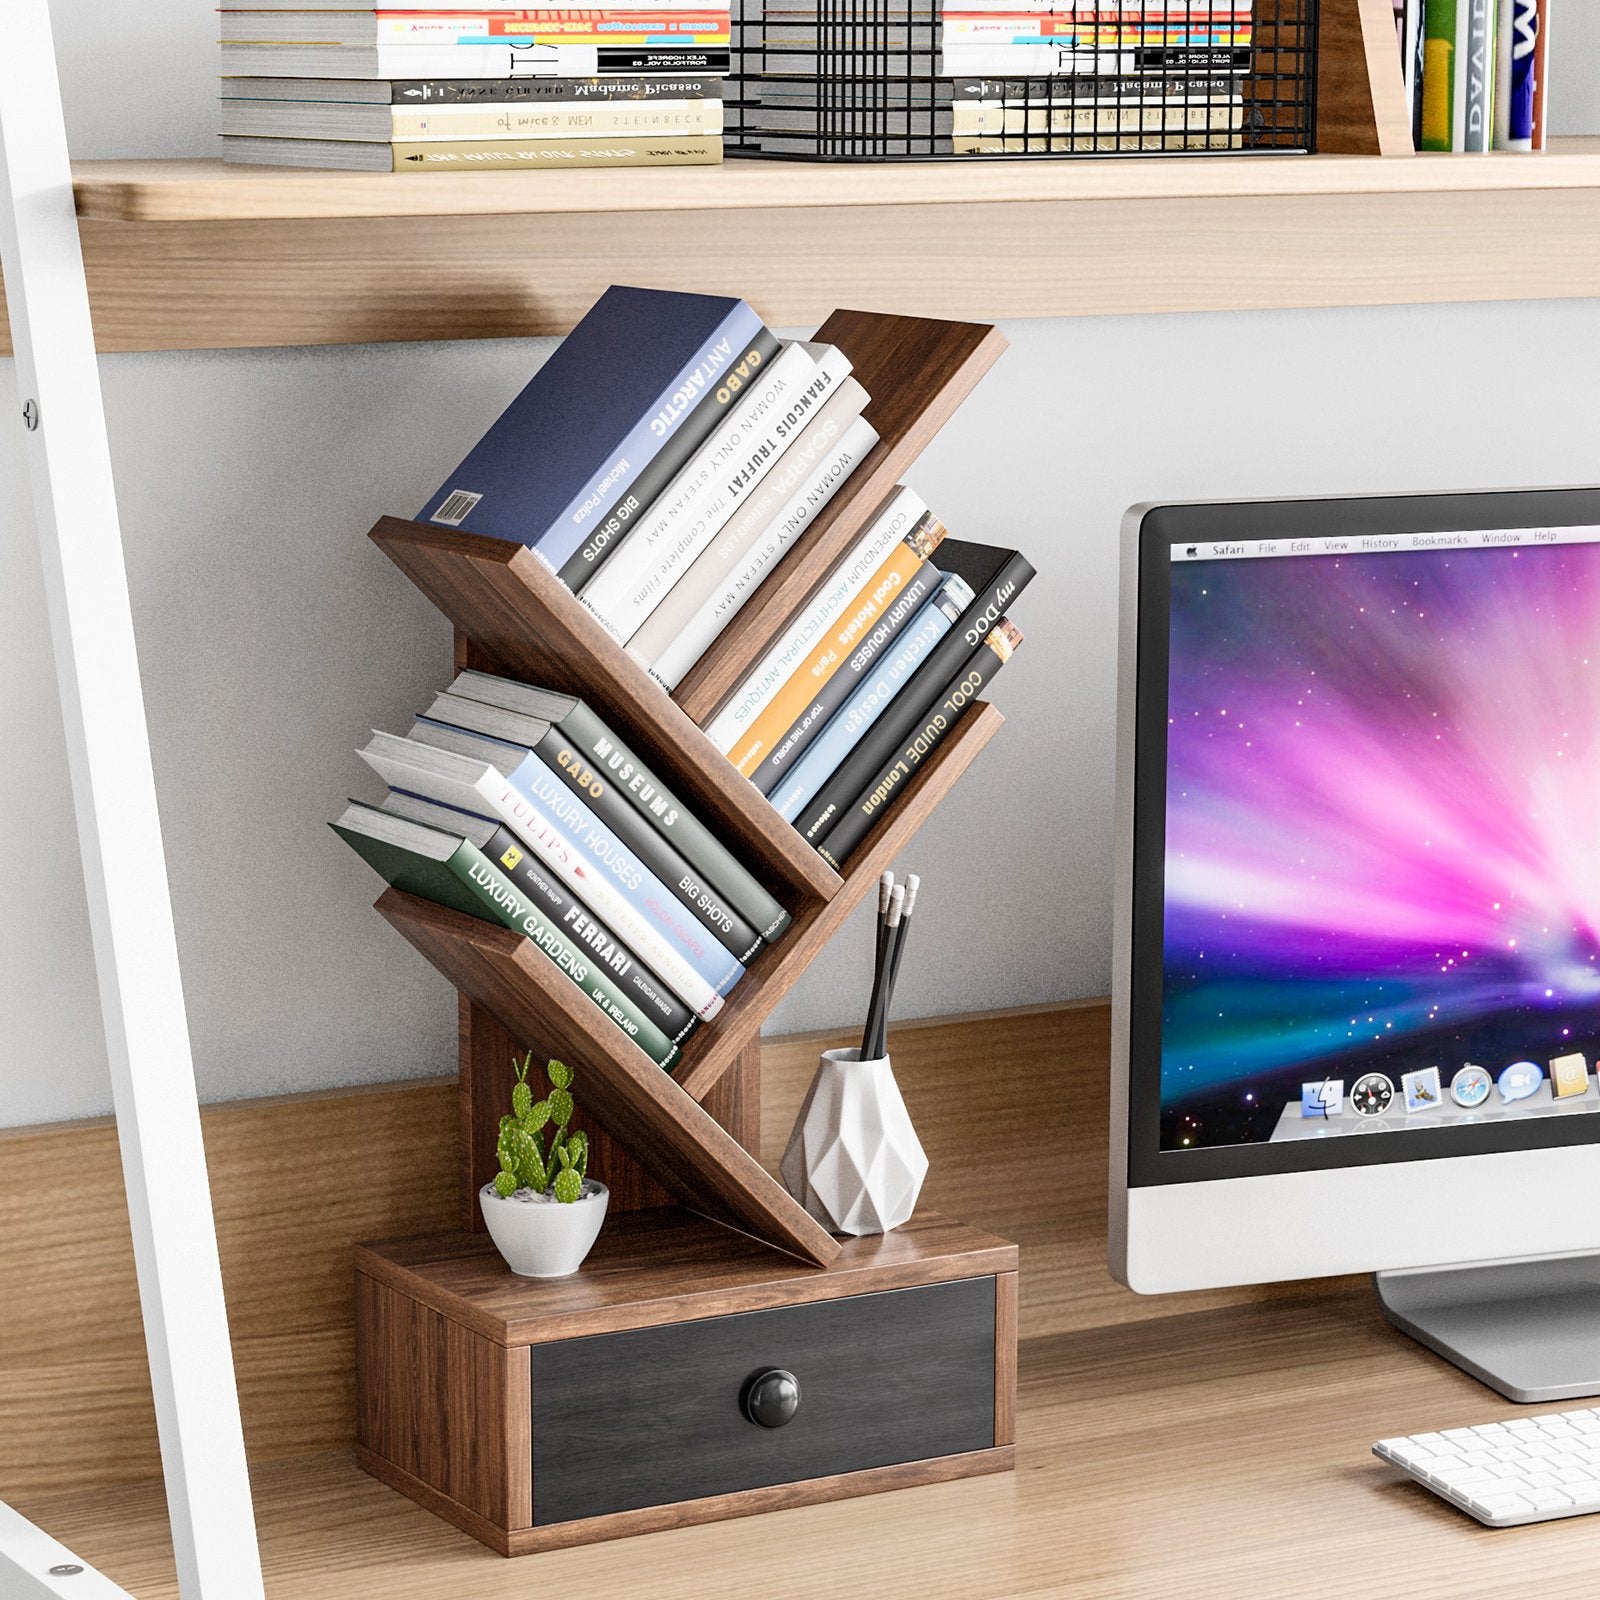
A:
[900,80]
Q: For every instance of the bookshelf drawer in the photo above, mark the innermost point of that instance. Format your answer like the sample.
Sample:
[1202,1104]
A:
[655,1416]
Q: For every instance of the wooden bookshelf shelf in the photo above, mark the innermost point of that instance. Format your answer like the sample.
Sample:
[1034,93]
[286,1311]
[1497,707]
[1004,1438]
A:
[208,191]
[195,255]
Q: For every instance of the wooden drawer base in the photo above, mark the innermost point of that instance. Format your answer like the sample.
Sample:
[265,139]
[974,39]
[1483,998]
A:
[638,1367]
[654,1519]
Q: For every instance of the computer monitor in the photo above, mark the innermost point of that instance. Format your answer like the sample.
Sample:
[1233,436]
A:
[1357,942]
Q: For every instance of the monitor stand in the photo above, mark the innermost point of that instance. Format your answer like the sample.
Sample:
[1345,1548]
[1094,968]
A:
[1530,1329]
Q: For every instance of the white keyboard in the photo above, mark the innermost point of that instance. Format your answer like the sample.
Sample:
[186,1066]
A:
[1506,1473]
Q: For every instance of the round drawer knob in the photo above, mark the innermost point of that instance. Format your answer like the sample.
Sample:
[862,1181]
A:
[772,1398]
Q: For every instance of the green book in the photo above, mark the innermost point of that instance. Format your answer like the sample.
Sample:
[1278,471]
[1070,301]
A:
[1439,74]
[452,871]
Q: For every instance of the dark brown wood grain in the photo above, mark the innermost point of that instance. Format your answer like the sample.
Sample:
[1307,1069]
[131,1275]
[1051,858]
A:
[444,1404]
[917,371]
[626,1093]
[654,1267]
[1005,1358]
[519,613]
[1361,106]
[711,1052]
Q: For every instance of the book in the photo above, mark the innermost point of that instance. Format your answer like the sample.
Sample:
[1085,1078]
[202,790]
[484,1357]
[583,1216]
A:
[1043,60]
[872,697]
[478,155]
[382,124]
[469,91]
[662,544]
[992,118]
[652,998]
[660,27]
[1516,52]
[465,61]
[904,515]
[561,757]
[1473,106]
[708,596]
[969,144]
[1438,73]
[1541,54]
[793,697]
[809,724]
[996,577]
[643,790]
[838,842]
[484,789]
[612,395]
[572,816]
[718,403]
[449,870]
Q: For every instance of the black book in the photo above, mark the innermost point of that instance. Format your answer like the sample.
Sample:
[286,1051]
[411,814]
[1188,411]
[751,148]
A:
[842,837]
[721,394]
[511,856]
[470,91]
[847,675]
[996,577]
[719,877]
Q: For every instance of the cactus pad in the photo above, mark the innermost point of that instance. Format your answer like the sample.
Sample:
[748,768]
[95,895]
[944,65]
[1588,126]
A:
[559,1074]
[568,1185]
[505,1184]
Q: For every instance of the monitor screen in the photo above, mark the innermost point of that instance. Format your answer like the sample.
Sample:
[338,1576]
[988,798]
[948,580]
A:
[1379,847]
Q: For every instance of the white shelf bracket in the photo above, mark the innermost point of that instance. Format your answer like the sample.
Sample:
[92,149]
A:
[119,832]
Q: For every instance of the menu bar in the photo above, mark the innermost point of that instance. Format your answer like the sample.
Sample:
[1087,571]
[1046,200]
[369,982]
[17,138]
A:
[1372,544]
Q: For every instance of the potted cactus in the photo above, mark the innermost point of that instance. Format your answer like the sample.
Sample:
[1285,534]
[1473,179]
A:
[543,1211]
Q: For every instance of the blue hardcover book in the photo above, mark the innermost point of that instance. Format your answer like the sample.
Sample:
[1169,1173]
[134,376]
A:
[871,699]
[562,455]
[526,772]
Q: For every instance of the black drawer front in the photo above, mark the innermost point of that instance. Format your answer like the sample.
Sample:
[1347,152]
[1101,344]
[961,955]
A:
[624,1420]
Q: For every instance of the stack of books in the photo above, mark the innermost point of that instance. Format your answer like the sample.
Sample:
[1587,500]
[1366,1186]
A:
[1135,75]
[1475,72]
[662,462]
[522,807]
[403,89]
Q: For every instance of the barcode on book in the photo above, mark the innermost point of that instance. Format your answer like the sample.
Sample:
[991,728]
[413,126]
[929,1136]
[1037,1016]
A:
[455,508]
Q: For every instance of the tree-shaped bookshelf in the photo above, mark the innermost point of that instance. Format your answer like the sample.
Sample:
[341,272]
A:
[689,1136]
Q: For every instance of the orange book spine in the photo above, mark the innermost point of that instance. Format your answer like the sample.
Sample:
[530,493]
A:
[796,695]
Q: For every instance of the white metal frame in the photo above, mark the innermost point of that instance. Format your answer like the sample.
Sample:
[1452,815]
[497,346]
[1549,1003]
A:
[119,832]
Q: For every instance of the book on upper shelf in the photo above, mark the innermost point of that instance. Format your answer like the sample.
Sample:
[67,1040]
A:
[562,463]
[465,61]
[481,155]
[631,116]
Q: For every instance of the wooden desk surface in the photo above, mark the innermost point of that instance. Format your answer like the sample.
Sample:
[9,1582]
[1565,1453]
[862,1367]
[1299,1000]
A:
[1209,1455]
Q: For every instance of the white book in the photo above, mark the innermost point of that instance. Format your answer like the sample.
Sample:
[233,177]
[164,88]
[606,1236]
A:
[840,448]
[481,788]
[905,508]
[674,613]
[380,124]
[662,543]
[408,61]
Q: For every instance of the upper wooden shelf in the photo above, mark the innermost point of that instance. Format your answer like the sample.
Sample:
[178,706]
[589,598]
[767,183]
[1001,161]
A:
[208,191]
[192,255]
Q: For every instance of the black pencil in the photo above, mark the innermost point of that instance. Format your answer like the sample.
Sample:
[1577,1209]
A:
[897,949]
[875,1012]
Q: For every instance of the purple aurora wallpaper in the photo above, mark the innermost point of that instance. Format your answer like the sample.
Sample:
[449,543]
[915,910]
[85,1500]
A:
[1383,824]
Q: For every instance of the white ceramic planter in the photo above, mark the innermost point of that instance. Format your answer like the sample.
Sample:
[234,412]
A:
[854,1160]
[541,1238]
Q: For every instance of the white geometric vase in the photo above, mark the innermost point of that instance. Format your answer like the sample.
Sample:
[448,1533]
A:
[854,1161]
